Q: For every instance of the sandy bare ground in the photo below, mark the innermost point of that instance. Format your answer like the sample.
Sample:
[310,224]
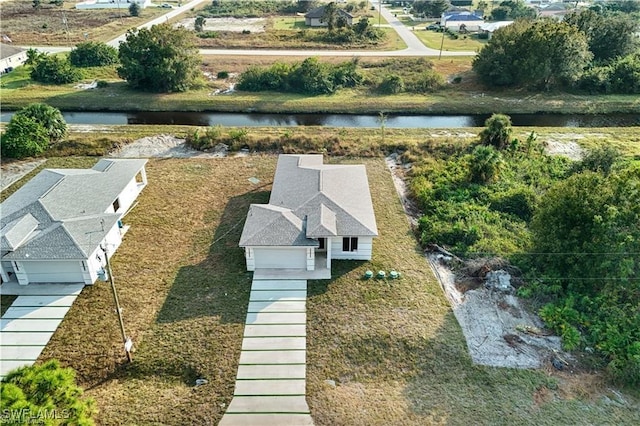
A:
[15,170]
[162,146]
[255,25]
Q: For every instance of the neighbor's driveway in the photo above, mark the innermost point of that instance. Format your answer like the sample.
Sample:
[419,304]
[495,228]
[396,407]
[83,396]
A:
[27,326]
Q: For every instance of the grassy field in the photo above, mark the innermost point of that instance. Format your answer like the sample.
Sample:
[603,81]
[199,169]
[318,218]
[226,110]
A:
[467,97]
[464,42]
[393,348]
[45,27]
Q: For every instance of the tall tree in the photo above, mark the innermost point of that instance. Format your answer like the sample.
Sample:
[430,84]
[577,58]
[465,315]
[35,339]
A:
[160,59]
[330,15]
[541,54]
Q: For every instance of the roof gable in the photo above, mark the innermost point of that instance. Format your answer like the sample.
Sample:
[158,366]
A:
[318,12]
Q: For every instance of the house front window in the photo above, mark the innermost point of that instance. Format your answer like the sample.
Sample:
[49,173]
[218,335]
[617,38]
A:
[350,244]
[116,205]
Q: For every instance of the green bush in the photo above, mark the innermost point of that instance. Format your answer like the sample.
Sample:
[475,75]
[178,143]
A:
[48,117]
[497,131]
[101,84]
[208,34]
[54,69]
[222,75]
[519,201]
[429,81]
[24,137]
[204,139]
[93,54]
[391,85]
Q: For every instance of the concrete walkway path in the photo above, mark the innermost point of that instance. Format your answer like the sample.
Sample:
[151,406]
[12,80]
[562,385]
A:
[27,326]
[270,385]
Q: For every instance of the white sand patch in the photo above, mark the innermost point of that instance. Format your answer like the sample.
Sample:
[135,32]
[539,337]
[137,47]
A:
[255,25]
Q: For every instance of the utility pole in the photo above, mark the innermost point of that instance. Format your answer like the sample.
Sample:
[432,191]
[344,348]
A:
[127,342]
[379,12]
[444,29]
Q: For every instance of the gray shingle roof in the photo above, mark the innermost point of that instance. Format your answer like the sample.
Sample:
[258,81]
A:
[318,12]
[7,50]
[68,207]
[333,199]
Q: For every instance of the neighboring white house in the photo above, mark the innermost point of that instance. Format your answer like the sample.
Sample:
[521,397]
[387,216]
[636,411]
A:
[57,227]
[11,57]
[112,4]
[316,212]
[314,18]
[466,20]
[490,27]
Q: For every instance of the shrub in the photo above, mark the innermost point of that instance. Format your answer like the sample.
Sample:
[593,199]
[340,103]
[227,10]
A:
[311,77]
[429,81]
[222,74]
[596,80]
[519,201]
[93,54]
[208,34]
[49,389]
[198,24]
[134,9]
[497,131]
[101,84]
[204,139]
[48,117]
[391,84]
[24,137]
[485,164]
[54,70]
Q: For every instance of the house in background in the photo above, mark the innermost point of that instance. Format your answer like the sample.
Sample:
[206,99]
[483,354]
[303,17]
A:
[59,227]
[317,212]
[112,4]
[489,28]
[554,10]
[11,57]
[314,18]
[456,21]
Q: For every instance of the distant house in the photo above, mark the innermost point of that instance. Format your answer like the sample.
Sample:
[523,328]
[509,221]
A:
[314,18]
[490,27]
[553,10]
[59,227]
[112,4]
[457,20]
[317,212]
[11,57]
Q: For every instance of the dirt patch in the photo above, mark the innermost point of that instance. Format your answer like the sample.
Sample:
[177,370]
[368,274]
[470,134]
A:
[163,146]
[571,150]
[15,170]
[237,25]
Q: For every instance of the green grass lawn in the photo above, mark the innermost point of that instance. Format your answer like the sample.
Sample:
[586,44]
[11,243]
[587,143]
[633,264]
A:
[393,348]
[433,39]
[5,303]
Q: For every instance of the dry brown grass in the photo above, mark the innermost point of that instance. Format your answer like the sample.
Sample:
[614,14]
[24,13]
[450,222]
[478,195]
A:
[44,27]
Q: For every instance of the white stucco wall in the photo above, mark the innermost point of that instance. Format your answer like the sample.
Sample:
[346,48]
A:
[365,248]
[128,195]
[13,61]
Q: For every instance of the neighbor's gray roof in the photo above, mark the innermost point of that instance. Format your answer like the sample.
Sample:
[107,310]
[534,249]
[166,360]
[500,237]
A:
[68,207]
[333,199]
[7,51]
[318,12]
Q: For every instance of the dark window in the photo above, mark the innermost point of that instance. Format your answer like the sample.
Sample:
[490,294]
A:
[116,205]
[350,244]
[322,243]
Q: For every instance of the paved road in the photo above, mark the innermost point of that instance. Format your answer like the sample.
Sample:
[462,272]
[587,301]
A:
[415,46]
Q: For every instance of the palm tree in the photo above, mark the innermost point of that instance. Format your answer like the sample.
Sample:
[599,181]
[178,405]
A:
[497,131]
[49,117]
[486,163]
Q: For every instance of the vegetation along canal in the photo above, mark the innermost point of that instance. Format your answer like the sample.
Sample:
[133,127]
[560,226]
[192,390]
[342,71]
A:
[341,120]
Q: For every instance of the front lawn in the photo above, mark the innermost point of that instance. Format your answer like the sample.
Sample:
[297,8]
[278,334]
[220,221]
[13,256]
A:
[393,348]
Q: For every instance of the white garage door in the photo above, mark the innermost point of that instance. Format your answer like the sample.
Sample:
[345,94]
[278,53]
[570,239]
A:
[54,272]
[281,258]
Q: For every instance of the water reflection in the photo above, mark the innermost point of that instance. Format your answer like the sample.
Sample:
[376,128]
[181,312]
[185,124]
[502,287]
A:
[340,120]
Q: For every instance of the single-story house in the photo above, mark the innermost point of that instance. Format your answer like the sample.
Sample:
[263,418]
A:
[316,212]
[315,17]
[11,57]
[112,4]
[60,225]
[490,27]
[554,10]
[467,20]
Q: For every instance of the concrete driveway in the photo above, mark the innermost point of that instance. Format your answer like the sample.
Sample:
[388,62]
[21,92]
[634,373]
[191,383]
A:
[27,326]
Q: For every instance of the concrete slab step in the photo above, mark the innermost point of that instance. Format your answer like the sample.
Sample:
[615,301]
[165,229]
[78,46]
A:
[268,330]
[266,420]
[278,306]
[268,404]
[13,288]
[26,325]
[34,312]
[273,343]
[273,357]
[33,338]
[43,301]
[270,387]
[276,318]
[296,371]
[279,285]
[19,352]
[272,295]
